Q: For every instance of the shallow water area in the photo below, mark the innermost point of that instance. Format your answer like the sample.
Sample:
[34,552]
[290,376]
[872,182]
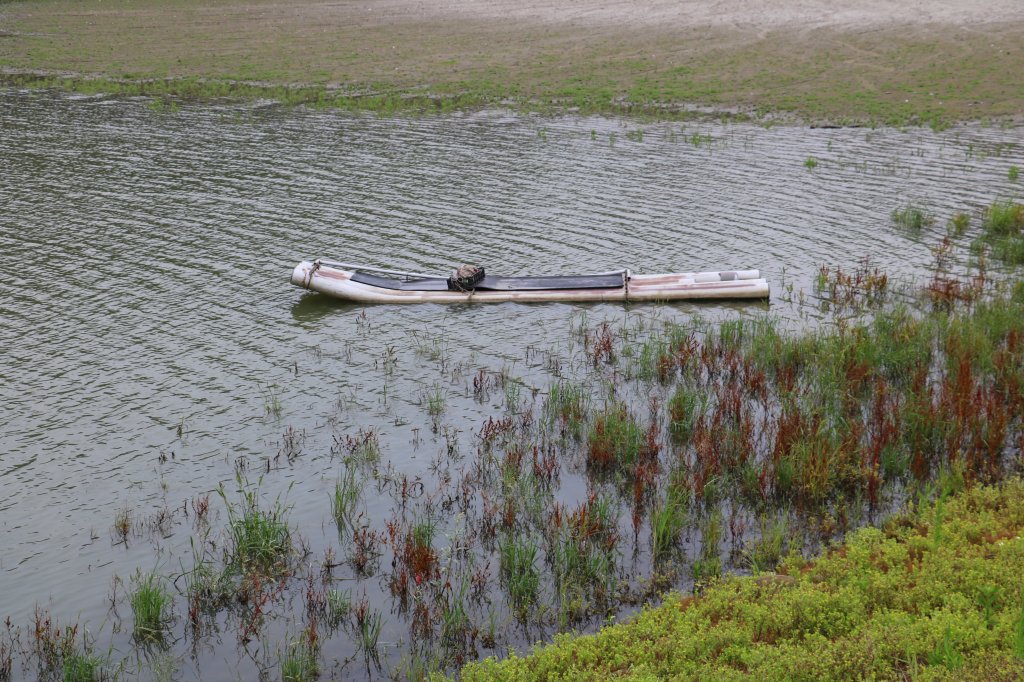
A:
[151,347]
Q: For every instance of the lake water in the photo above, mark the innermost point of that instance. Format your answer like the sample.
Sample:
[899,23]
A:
[150,340]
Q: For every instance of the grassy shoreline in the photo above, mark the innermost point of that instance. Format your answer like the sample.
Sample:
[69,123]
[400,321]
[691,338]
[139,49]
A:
[331,56]
[932,594]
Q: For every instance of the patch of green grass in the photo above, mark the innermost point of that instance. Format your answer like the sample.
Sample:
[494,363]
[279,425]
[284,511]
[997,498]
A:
[684,408]
[667,522]
[615,440]
[299,662]
[519,571]
[435,399]
[259,539]
[1003,232]
[886,601]
[370,623]
[811,163]
[958,224]
[912,218]
[151,606]
[896,75]
[1013,174]
[765,552]
[83,667]
[345,498]
[567,403]
[1004,219]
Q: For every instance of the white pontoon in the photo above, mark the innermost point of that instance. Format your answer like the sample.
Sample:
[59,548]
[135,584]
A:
[369,284]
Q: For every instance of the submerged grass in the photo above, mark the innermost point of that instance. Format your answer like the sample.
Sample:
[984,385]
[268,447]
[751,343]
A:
[887,602]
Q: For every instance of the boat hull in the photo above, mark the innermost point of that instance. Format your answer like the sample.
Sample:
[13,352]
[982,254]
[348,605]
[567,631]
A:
[730,284]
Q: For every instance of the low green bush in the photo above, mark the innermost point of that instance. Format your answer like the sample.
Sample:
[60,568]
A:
[903,601]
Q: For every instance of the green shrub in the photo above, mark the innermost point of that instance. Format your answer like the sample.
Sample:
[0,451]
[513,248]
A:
[888,604]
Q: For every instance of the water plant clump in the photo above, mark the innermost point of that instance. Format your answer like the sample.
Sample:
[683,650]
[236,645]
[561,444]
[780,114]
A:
[83,667]
[568,405]
[344,499]
[518,558]
[1003,232]
[151,606]
[866,286]
[299,661]
[616,440]
[685,409]
[958,224]
[260,539]
[912,218]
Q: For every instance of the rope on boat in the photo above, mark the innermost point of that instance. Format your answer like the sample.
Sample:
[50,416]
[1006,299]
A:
[307,281]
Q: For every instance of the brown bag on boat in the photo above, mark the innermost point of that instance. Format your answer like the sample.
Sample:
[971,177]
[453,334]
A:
[465,277]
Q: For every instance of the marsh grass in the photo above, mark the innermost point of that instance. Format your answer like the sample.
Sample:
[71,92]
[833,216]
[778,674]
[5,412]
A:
[667,523]
[299,662]
[361,449]
[84,667]
[568,404]
[615,440]
[435,399]
[1003,232]
[344,499]
[207,586]
[708,565]
[912,218]
[123,524]
[272,405]
[369,624]
[151,603]
[685,407]
[259,539]
[455,620]
[518,560]
[339,605]
[958,224]
[766,550]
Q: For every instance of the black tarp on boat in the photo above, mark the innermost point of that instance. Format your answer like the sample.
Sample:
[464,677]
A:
[491,283]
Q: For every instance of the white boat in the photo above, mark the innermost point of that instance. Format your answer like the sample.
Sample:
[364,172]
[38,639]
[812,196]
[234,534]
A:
[367,284]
